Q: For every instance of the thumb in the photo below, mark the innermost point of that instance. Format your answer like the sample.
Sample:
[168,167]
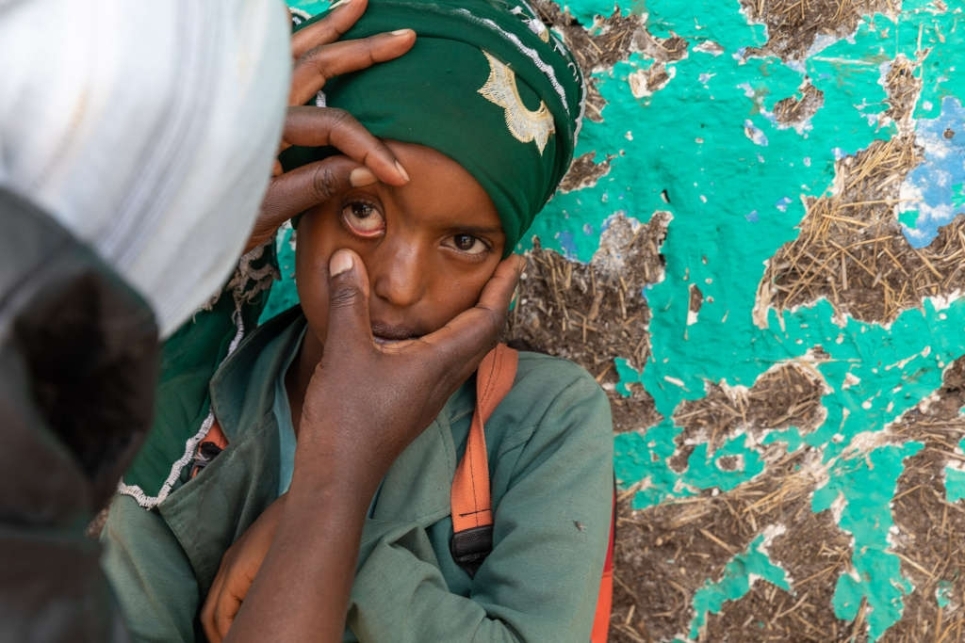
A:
[349,327]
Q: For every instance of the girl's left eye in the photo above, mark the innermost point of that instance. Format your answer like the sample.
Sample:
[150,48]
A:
[363,219]
[468,244]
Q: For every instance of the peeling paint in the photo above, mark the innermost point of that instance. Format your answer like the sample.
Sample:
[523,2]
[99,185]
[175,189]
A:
[746,568]
[717,123]
[934,192]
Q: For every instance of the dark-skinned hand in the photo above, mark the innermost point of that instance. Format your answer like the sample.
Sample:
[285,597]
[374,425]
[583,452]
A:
[366,402]
[318,56]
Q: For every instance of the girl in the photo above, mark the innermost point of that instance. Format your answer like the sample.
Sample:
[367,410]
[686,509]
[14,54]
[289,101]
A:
[482,113]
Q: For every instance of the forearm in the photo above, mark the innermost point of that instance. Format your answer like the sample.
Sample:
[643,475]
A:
[301,591]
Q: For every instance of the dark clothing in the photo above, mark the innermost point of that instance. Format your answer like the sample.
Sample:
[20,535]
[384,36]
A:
[78,368]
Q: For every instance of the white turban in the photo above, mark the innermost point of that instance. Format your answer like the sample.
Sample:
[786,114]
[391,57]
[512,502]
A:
[148,129]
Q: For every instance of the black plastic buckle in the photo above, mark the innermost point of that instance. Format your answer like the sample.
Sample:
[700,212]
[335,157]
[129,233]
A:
[470,547]
[203,456]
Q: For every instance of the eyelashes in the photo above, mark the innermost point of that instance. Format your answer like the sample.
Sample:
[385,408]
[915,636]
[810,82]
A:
[365,220]
[469,244]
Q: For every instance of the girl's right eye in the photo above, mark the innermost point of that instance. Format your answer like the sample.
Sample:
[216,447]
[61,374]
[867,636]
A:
[363,219]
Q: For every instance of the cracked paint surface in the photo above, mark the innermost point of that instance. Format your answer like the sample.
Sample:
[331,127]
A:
[728,138]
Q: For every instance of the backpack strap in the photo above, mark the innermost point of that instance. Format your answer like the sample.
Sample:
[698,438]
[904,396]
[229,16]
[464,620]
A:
[213,443]
[604,601]
[472,516]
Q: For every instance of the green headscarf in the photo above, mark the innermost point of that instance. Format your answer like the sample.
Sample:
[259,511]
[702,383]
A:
[485,84]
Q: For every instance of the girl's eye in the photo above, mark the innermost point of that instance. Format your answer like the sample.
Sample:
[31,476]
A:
[363,219]
[469,244]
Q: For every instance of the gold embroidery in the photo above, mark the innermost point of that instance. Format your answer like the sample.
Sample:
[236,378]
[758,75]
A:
[525,125]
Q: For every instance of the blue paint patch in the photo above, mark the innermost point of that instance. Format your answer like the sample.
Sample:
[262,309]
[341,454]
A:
[567,243]
[934,188]
[755,133]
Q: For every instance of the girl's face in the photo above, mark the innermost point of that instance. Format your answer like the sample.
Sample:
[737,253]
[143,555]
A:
[429,247]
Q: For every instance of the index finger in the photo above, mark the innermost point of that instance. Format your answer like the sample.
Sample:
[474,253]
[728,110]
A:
[319,127]
[307,186]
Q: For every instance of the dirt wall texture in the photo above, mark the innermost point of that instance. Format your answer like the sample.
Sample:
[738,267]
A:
[759,254]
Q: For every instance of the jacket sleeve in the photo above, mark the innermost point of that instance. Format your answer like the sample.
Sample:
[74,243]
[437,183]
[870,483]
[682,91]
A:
[151,576]
[541,580]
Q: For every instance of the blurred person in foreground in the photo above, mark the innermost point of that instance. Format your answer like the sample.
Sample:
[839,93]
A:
[136,144]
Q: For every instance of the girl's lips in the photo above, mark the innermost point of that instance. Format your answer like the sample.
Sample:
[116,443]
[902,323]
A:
[385,334]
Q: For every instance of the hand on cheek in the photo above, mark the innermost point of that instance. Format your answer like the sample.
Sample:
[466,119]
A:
[365,403]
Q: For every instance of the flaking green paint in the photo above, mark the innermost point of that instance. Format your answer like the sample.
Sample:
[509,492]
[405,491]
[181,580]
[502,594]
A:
[689,140]
[866,483]
[955,481]
[735,583]
[735,201]
[954,484]
[706,470]
[943,593]
[790,437]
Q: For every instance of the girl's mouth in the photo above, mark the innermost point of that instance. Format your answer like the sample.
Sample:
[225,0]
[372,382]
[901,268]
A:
[385,334]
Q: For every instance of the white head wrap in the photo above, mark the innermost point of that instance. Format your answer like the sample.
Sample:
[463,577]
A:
[148,129]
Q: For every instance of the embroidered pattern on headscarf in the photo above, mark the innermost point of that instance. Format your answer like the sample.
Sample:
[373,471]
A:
[535,24]
[524,124]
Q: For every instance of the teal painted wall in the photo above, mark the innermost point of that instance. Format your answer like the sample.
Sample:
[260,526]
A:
[736,178]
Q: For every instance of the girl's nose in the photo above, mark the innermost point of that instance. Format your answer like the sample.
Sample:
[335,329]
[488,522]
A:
[399,275]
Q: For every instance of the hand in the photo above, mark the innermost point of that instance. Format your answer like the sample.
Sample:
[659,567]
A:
[317,57]
[238,568]
[366,402]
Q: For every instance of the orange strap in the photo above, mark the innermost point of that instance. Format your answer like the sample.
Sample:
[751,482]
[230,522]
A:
[471,503]
[604,602]
[214,436]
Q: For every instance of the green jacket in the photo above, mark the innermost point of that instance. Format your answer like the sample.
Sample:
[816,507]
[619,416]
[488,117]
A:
[550,447]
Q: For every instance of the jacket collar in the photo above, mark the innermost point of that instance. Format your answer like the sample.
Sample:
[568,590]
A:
[244,387]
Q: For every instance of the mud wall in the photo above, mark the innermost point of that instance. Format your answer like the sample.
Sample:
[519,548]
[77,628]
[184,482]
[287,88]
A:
[759,254]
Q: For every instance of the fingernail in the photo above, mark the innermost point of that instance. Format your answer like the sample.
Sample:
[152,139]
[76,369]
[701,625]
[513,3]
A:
[340,3]
[405,175]
[401,32]
[340,262]
[361,176]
